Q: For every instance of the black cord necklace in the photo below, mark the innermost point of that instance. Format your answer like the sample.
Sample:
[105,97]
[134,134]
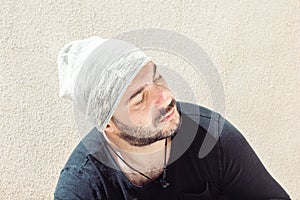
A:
[163,182]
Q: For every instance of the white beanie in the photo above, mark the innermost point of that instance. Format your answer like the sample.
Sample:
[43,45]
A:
[70,60]
[94,73]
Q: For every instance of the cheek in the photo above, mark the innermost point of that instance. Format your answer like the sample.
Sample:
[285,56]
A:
[142,117]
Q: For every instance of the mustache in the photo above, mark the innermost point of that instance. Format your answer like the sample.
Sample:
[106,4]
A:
[163,112]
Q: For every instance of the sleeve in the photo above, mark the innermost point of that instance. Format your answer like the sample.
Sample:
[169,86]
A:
[243,174]
[74,184]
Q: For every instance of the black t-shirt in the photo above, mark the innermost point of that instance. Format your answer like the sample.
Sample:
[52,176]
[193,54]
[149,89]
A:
[210,159]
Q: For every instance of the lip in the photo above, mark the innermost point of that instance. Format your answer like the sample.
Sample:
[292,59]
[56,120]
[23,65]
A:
[169,116]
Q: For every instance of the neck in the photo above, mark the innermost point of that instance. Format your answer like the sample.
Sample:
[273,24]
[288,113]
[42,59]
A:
[124,146]
[144,159]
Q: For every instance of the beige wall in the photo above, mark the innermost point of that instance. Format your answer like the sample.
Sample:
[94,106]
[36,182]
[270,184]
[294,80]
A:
[254,44]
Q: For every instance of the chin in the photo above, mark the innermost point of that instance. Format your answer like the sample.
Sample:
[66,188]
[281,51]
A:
[171,126]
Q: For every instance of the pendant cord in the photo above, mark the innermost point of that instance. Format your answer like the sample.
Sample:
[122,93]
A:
[163,182]
[165,161]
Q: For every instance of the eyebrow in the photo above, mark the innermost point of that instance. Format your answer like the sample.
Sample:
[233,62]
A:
[143,87]
[154,71]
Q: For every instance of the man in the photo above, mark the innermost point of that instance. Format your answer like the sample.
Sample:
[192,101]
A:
[142,144]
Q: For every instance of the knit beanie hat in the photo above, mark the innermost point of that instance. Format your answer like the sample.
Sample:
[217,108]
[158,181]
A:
[94,73]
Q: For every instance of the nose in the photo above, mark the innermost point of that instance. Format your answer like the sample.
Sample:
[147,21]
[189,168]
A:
[160,96]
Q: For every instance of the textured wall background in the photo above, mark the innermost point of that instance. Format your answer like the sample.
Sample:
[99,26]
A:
[254,44]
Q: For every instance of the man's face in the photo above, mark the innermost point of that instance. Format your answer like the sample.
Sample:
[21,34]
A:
[147,111]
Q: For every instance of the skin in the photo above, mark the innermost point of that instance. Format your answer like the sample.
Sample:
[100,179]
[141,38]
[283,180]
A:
[142,136]
[139,126]
[137,120]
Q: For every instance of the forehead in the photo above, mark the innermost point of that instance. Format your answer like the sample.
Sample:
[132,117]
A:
[145,74]
[145,71]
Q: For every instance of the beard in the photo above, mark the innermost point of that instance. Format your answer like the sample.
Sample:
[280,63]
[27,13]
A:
[142,136]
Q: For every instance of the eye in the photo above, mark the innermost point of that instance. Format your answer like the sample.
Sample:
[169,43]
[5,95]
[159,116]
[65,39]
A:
[141,100]
[159,80]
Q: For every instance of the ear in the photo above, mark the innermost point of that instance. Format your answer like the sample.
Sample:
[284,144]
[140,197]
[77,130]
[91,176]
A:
[110,128]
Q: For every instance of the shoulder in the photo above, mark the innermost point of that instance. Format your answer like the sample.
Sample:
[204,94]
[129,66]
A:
[75,179]
[194,109]
[211,129]
[78,178]
[88,145]
[76,182]
[211,121]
